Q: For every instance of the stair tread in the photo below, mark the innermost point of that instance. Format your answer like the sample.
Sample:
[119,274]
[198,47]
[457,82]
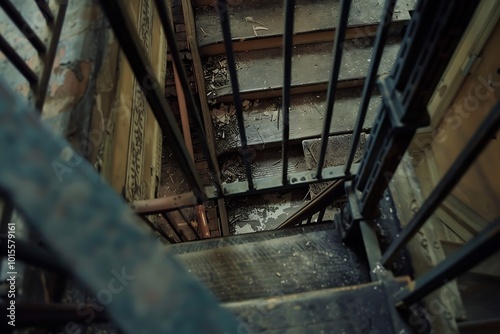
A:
[262,70]
[336,155]
[303,262]
[306,119]
[265,163]
[270,15]
[217,243]
[356,309]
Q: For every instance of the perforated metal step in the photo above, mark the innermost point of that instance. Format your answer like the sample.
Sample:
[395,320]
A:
[278,265]
[359,309]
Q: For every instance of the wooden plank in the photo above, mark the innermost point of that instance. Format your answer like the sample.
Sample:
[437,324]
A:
[263,70]
[306,119]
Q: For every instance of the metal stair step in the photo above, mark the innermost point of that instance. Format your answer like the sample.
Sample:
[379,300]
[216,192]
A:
[279,266]
[355,309]
[217,243]
[315,21]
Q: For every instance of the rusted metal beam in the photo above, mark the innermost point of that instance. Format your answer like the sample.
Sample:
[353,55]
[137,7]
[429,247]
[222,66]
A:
[205,110]
[318,204]
[200,210]
[262,185]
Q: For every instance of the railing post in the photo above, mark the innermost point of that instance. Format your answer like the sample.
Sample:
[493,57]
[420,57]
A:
[287,82]
[338,49]
[378,50]
[228,44]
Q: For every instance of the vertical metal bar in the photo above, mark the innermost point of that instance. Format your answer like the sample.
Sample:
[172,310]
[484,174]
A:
[193,110]
[309,220]
[228,44]
[159,230]
[189,224]
[378,50]
[50,55]
[178,232]
[287,82]
[130,43]
[372,248]
[332,85]
[45,10]
[468,155]
[17,61]
[23,25]
[321,215]
[472,253]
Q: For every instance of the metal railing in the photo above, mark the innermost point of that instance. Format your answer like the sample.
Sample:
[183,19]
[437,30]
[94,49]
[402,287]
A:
[38,80]
[430,40]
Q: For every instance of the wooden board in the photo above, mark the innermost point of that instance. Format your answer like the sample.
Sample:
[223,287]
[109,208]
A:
[311,64]
[306,119]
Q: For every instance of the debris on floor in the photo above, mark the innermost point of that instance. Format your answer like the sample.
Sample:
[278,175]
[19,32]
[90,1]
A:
[216,75]
[260,213]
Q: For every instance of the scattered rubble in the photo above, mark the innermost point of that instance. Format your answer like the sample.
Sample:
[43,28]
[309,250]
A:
[216,75]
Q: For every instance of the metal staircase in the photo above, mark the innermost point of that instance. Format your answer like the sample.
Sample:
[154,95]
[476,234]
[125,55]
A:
[329,277]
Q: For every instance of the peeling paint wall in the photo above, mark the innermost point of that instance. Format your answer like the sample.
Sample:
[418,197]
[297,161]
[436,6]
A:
[77,62]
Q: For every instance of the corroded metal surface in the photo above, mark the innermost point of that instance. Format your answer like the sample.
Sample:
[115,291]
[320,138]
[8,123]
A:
[95,233]
[360,309]
[313,260]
